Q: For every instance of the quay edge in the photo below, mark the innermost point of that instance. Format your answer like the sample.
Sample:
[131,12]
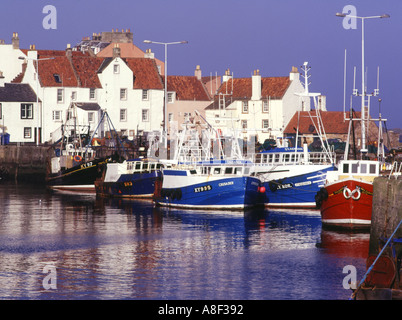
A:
[23,162]
[385,279]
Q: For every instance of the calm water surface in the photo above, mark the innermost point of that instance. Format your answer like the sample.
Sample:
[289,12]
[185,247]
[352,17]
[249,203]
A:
[114,249]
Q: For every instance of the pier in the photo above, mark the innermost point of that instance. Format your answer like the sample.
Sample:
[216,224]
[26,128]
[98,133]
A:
[385,279]
[23,162]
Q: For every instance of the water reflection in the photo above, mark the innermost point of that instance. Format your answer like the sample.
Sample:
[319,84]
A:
[131,249]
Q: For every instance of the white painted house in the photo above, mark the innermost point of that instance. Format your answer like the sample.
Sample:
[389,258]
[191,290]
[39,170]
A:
[130,90]
[257,106]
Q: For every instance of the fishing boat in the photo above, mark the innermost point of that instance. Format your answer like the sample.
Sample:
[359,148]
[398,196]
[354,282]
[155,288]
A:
[202,176]
[293,175]
[135,178]
[74,164]
[211,185]
[346,199]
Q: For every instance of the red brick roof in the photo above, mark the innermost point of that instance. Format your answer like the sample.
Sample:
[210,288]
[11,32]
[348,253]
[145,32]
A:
[274,87]
[146,74]
[187,88]
[333,122]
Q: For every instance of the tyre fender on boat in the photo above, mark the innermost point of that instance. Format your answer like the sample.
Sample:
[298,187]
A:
[347,193]
[356,194]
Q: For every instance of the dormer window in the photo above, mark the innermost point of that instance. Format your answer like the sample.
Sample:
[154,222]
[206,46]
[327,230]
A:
[57,78]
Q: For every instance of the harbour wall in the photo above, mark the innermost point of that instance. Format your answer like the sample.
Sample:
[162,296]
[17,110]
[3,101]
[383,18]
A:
[386,211]
[23,162]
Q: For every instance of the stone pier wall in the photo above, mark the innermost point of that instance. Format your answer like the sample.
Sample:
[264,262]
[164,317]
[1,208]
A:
[23,162]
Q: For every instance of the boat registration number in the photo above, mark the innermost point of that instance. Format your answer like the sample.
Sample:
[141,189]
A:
[203,188]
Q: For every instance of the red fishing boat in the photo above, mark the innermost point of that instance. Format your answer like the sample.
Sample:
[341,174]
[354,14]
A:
[346,200]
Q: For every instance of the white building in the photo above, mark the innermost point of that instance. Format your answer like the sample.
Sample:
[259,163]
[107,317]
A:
[131,89]
[257,106]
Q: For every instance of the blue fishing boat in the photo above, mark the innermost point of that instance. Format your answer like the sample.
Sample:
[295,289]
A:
[292,176]
[136,178]
[210,185]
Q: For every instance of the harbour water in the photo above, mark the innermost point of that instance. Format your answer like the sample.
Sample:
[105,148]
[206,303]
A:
[121,249]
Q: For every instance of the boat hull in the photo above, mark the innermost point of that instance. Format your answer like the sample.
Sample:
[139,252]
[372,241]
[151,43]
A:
[80,177]
[136,185]
[208,192]
[347,204]
[294,186]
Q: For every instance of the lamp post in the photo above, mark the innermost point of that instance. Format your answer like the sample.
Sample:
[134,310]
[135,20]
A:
[37,92]
[363,93]
[165,102]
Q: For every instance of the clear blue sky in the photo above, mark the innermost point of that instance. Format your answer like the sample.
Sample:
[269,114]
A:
[269,35]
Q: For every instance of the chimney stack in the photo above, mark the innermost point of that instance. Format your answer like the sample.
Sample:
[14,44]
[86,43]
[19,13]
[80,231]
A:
[15,41]
[294,74]
[69,51]
[256,85]
[116,51]
[227,75]
[149,54]
[197,72]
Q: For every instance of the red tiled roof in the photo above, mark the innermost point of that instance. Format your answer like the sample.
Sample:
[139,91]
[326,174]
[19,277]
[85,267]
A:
[274,87]
[146,74]
[86,69]
[333,122]
[60,66]
[187,88]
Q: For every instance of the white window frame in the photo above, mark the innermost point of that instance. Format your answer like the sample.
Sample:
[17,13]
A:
[92,93]
[116,68]
[244,107]
[265,106]
[57,115]
[123,115]
[123,93]
[60,95]
[27,133]
[145,94]
[146,113]
[91,116]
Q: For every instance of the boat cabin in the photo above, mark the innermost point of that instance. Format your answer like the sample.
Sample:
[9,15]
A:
[365,170]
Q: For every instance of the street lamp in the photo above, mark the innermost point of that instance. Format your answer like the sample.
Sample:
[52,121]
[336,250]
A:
[363,93]
[165,103]
[37,92]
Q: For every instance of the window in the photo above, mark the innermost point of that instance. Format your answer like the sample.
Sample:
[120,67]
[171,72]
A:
[244,125]
[57,78]
[1,111]
[60,95]
[170,96]
[116,68]
[265,125]
[345,168]
[56,115]
[91,116]
[355,166]
[27,133]
[92,94]
[245,106]
[26,111]
[74,95]
[123,115]
[145,115]
[170,117]
[265,106]
[372,168]
[123,94]
[363,168]
[144,94]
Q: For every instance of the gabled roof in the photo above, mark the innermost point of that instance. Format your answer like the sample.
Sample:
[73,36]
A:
[127,50]
[145,72]
[274,87]
[333,122]
[187,88]
[17,92]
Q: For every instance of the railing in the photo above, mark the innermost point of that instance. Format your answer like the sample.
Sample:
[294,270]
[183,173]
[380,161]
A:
[395,170]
